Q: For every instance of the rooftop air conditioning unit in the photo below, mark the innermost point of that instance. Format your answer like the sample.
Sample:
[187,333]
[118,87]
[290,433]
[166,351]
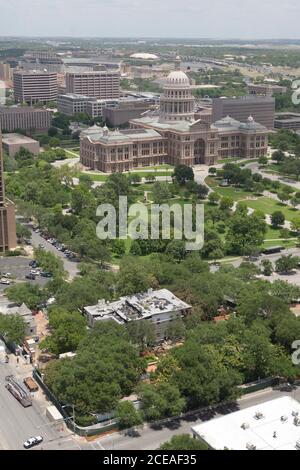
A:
[258,415]
[250,446]
[298,444]
[296,421]
[283,419]
[245,426]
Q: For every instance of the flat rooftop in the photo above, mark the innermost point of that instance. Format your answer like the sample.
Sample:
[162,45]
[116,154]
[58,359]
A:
[20,109]
[138,306]
[273,425]
[10,139]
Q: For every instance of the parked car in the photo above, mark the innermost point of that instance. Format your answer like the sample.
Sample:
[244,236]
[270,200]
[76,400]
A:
[5,281]
[35,272]
[46,274]
[6,275]
[30,276]
[33,263]
[33,441]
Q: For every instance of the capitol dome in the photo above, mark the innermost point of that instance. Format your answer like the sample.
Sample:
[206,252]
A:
[177,101]
[177,78]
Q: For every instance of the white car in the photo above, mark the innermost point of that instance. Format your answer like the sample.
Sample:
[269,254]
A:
[35,272]
[5,281]
[32,441]
[6,274]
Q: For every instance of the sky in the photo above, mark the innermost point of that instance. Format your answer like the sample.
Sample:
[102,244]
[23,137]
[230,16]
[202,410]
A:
[245,19]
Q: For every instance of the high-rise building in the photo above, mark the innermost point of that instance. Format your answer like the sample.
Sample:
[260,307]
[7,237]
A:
[32,86]
[261,108]
[101,85]
[5,72]
[8,238]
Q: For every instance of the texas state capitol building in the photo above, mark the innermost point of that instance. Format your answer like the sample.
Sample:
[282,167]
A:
[174,136]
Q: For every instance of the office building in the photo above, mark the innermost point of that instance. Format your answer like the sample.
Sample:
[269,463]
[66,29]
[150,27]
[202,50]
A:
[174,135]
[8,239]
[12,143]
[261,108]
[271,425]
[5,72]
[32,86]
[71,104]
[265,89]
[25,118]
[287,121]
[117,114]
[100,85]
[95,107]
[160,307]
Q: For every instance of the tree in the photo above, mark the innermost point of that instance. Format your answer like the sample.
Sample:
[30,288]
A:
[202,377]
[183,442]
[52,132]
[160,400]
[244,233]
[278,156]
[27,293]
[267,267]
[127,415]
[176,249]
[105,369]
[175,330]
[22,232]
[212,171]
[258,188]
[161,192]
[142,333]
[277,219]
[132,277]
[213,198]
[295,201]
[183,173]
[67,331]
[12,328]
[283,196]
[286,264]
[296,225]
[226,203]
[54,142]
[263,161]
[202,191]
[134,178]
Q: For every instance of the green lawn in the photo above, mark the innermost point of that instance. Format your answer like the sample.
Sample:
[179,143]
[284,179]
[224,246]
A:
[142,174]
[157,167]
[268,206]
[235,193]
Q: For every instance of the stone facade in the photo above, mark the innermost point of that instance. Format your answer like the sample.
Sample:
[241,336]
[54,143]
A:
[173,136]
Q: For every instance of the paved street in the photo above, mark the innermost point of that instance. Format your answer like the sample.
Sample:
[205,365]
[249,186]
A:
[70,266]
[151,439]
[17,424]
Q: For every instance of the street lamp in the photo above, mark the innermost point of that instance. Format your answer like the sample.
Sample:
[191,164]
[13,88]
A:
[73,415]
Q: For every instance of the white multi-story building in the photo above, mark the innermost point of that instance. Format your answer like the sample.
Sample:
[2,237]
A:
[160,307]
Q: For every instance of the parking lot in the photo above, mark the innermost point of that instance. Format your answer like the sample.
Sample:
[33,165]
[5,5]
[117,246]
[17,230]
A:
[18,267]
